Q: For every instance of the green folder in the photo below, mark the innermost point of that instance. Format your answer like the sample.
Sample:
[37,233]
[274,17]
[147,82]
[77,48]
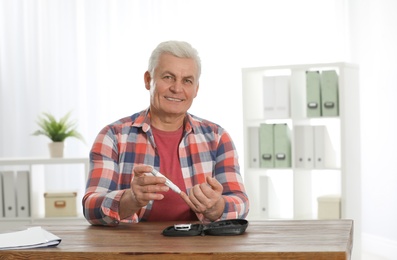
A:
[282,146]
[266,146]
[313,94]
[329,93]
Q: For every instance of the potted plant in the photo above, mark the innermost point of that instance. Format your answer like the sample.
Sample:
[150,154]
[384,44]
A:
[57,131]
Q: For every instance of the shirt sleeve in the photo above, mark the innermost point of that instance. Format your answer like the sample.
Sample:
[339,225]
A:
[102,198]
[227,172]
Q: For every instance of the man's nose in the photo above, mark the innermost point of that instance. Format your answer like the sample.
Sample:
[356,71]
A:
[177,86]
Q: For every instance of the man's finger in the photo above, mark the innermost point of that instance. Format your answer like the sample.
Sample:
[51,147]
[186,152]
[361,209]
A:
[215,184]
[141,170]
[185,197]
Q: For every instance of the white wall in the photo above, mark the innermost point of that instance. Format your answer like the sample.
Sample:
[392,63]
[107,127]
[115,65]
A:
[373,45]
[90,56]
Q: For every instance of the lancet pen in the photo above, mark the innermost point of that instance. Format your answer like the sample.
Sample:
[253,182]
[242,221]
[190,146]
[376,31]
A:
[167,181]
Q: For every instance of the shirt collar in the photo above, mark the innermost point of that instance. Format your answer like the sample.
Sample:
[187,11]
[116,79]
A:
[143,121]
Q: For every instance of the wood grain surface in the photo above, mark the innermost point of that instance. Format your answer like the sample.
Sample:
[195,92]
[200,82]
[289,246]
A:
[271,239]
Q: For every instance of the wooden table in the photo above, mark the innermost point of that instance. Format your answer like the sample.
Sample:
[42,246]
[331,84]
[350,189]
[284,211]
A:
[272,239]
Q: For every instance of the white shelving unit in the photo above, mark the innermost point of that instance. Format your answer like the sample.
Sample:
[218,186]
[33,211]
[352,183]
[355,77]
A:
[37,168]
[291,193]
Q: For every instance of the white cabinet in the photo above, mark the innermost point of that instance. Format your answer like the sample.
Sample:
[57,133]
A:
[60,171]
[292,192]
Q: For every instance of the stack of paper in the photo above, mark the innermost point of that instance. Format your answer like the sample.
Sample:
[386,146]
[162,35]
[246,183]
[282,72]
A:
[33,237]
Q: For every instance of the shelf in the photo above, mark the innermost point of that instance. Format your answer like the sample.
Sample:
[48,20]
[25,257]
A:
[291,193]
[34,160]
[37,168]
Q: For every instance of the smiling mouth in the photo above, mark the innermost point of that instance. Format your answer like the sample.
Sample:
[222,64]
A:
[174,99]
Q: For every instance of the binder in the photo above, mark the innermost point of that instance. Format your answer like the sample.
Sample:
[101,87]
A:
[313,94]
[253,136]
[324,152]
[329,93]
[266,146]
[264,196]
[9,194]
[282,100]
[304,146]
[22,187]
[276,97]
[1,196]
[269,92]
[282,146]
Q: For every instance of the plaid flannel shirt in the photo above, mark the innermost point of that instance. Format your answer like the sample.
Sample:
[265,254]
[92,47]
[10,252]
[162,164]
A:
[206,149]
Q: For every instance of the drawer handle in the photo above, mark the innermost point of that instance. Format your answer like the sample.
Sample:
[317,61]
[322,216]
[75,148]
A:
[59,204]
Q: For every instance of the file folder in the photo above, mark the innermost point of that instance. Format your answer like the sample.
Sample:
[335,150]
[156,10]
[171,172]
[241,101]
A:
[282,146]
[9,194]
[313,94]
[304,146]
[276,97]
[324,151]
[266,146]
[329,93]
[269,92]
[282,99]
[264,196]
[22,186]
[253,136]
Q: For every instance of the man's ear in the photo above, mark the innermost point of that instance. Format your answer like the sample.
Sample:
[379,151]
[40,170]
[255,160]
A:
[147,78]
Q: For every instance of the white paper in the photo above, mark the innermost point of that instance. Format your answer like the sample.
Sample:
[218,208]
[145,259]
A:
[33,237]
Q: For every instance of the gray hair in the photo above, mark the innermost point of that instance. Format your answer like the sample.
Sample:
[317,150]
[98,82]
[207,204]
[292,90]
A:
[178,49]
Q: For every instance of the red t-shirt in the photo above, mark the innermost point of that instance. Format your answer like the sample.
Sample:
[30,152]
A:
[172,207]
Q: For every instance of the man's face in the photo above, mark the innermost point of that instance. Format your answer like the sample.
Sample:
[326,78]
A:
[174,85]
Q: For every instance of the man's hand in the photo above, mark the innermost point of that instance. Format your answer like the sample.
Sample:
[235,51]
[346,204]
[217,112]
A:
[144,188]
[206,198]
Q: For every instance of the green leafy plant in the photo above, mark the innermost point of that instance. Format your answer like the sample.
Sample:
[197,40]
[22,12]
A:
[57,131]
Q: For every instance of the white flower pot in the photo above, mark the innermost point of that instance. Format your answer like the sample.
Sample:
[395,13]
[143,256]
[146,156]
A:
[56,149]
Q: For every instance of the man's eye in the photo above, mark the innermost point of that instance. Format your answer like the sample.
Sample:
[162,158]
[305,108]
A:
[168,78]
